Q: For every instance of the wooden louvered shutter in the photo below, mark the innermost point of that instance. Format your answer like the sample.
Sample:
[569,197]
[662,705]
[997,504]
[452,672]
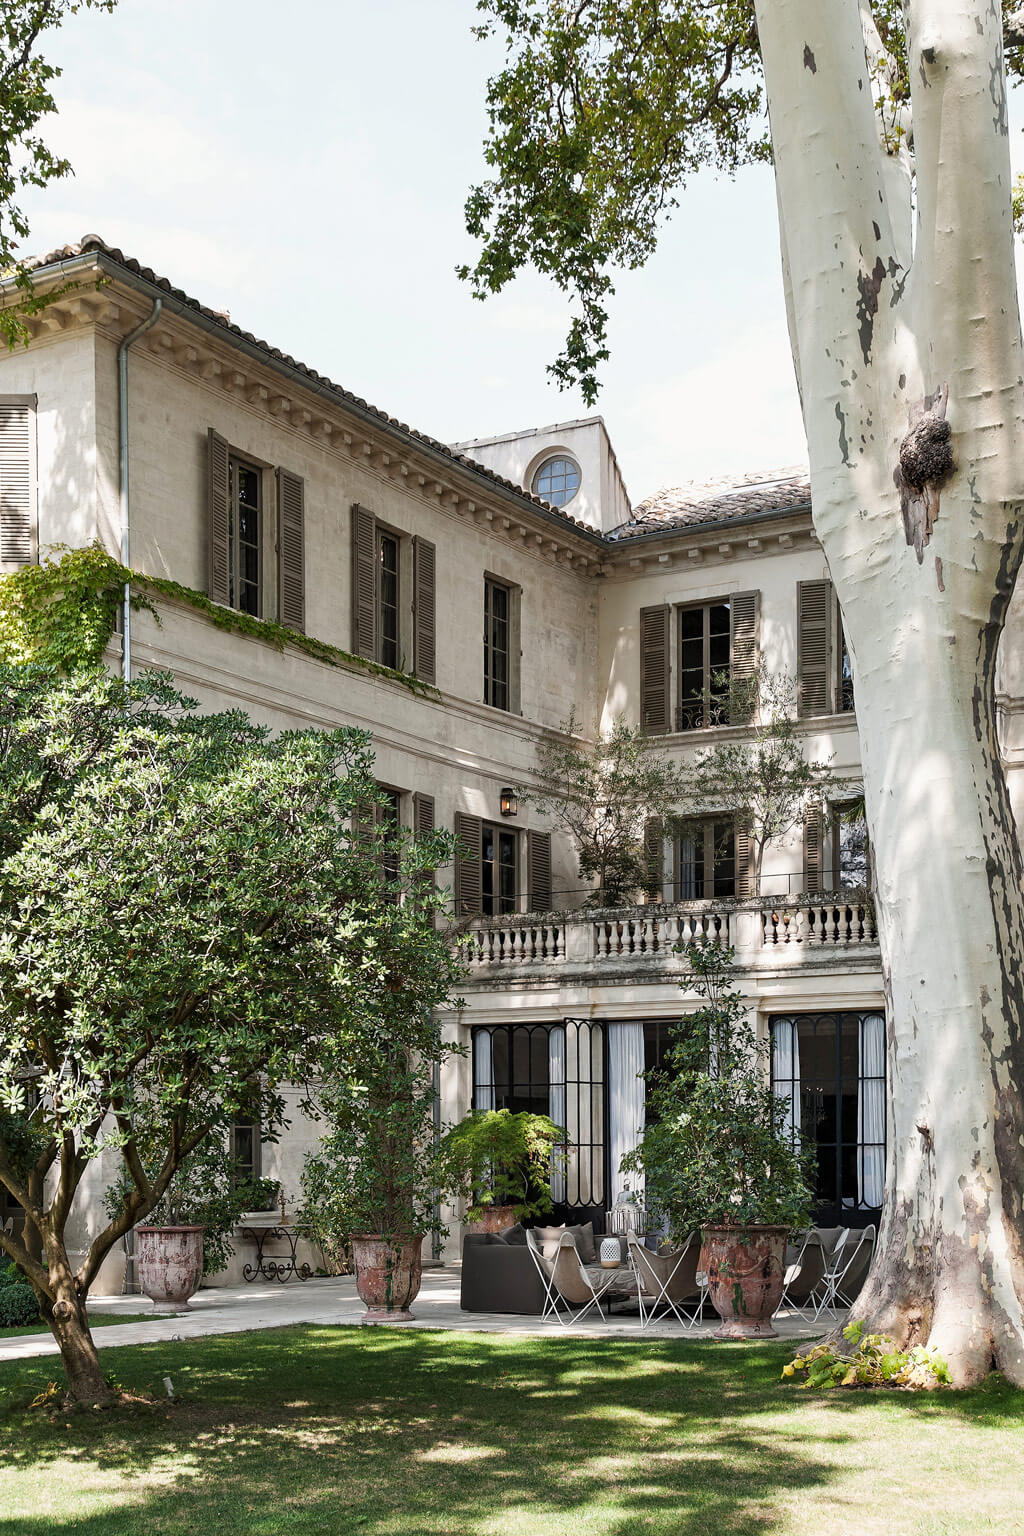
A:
[654,856]
[744,641]
[743,845]
[19,527]
[424,609]
[364,820]
[655,670]
[538,851]
[218,522]
[468,896]
[814,849]
[364,583]
[814,603]
[291,558]
[422,824]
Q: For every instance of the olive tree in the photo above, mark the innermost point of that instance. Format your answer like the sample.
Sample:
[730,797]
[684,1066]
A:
[188,921]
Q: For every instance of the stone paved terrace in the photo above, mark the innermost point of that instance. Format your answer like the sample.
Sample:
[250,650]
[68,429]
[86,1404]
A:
[236,1309]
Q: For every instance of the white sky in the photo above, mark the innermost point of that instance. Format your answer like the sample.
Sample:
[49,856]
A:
[306,168]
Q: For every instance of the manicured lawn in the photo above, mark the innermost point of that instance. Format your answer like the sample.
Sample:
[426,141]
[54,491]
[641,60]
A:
[102,1320]
[323,1431]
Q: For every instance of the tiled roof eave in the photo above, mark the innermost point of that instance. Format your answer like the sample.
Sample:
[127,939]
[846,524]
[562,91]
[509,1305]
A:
[639,533]
[70,261]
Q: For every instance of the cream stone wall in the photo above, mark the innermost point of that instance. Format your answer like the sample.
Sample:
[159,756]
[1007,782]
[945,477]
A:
[601,502]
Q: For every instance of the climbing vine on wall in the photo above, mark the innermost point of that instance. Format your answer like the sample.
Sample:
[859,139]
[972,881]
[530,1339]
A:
[64,611]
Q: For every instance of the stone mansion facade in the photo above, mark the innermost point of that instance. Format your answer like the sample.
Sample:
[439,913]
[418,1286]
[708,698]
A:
[514,575]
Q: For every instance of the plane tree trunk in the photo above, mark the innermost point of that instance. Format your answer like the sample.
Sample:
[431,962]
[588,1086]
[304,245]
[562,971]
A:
[908,354]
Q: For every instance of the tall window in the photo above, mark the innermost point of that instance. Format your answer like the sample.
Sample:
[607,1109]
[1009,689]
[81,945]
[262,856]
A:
[703,666]
[389,648]
[245,515]
[706,861]
[245,1151]
[557,1070]
[830,1069]
[497,634]
[851,855]
[844,678]
[497,870]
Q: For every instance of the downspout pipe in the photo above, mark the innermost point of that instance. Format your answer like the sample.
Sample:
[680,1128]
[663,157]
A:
[125,504]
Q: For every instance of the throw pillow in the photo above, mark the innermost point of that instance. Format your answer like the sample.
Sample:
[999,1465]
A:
[548,1237]
[585,1245]
[515,1236]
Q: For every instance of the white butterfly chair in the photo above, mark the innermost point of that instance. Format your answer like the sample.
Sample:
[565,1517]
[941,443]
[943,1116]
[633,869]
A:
[667,1280]
[545,1269]
[573,1285]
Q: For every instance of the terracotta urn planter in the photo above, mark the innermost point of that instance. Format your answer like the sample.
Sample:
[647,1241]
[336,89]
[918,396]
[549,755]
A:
[388,1274]
[169,1264]
[746,1269]
[496,1218]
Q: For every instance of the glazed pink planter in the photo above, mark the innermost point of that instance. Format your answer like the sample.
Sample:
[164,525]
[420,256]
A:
[746,1271]
[388,1274]
[169,1264]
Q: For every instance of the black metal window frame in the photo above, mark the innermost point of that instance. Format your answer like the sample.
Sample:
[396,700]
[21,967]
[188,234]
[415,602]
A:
[704,670]
[586,1105]
[389,559]
[245,536]
[713,874]
[499,869]
[246,1151]
[838,1200]
[497,643]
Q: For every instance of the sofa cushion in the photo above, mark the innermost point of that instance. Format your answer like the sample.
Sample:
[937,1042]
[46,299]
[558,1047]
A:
[585,1244]
[515,1236]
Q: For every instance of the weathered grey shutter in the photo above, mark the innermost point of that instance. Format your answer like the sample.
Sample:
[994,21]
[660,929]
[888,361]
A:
[838,644]
[364,583]
[654,855]
[468,896]
[743,845]
[813,609]
[814,849]
[538,851]
[218,524]
[423,611]
[655,670]
[291,558]
[364,820]
[744,639]
[422,825]
[19,528]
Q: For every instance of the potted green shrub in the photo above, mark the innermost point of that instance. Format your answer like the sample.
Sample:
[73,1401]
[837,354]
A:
[716,1156]
[188,1234]
[501,1164]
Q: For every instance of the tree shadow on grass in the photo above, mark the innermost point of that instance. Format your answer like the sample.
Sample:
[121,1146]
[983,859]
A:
[330,1430]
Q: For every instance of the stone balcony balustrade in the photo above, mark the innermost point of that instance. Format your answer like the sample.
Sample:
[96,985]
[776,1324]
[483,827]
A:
[591,944]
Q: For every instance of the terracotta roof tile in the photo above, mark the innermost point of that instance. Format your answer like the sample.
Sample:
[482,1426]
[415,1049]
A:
[112,253]
[717,501]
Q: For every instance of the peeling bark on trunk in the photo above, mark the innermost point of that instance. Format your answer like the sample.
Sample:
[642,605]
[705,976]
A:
[878,338]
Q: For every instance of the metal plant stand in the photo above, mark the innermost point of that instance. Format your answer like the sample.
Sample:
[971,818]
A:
[274,1268]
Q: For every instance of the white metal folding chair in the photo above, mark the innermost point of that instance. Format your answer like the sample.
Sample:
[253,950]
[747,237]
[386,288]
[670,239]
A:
[803,1273]
[666,1280]
[836,1282]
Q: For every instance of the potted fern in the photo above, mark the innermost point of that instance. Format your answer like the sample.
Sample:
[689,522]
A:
[501,1165]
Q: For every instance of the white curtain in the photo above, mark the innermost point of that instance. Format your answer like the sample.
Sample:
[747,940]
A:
[556,1104]
[786,1073]
[871,1111]
[625,1101]
[483,1070]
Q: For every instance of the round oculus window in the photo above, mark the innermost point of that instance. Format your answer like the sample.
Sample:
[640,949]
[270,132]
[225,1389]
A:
[557,481]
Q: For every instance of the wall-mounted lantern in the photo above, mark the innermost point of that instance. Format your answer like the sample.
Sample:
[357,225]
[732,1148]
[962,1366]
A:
[509,803]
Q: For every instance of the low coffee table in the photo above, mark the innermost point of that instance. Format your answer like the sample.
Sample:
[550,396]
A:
[623,1286]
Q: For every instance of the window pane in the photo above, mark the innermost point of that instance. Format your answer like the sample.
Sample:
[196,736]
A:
[557,481]
[724,842]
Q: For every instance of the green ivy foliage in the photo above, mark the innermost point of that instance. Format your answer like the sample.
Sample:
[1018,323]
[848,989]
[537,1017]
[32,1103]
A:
[63,612]
[872,1360]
